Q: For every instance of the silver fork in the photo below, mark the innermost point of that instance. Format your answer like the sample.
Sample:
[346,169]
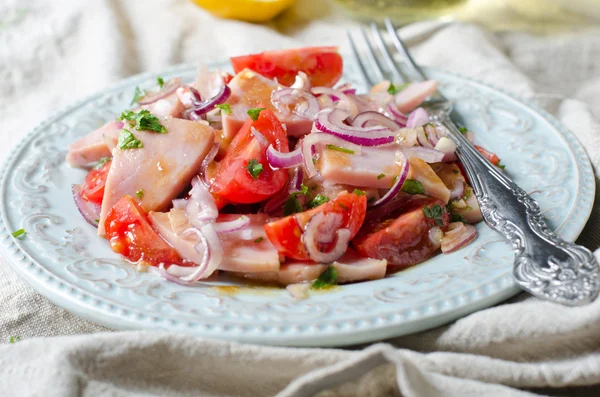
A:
[545,265]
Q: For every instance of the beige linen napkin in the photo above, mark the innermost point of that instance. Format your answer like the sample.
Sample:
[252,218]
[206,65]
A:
[54,52]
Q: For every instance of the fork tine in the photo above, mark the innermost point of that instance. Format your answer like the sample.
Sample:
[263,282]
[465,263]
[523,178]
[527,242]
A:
[361,65]
[403,50]
[386,54]
[372,57]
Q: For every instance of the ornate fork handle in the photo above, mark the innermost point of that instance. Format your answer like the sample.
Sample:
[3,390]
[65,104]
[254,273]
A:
[545,265]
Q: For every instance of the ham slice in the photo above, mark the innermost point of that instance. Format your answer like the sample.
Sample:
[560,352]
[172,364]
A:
[92,147]
[433,186]
[162,168]
[412,96]
[248,250]
[251,90]
[170,105]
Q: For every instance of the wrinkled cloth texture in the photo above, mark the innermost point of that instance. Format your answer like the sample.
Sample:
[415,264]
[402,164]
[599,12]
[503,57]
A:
[55,52]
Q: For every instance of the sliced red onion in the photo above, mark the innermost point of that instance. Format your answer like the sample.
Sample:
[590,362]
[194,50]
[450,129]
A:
[167,89]
[185,96]
[201,208]
[426,154]
[179,204]
[422,138]
[278,159]
[348,104]
[435,235]
[331,121]
[432,135]
[371,119]
[417,118]
[221,93]
[190,114]
[232,226]
[259,137]
[395,189]
[208,159]
[305,104]
[398,115]
[321,229]
[211,249]
[458,236]
[310,141]
[350,91]
[344,87]
[162,272]
[302,82]
[458,190]
[296,184]
[89,211]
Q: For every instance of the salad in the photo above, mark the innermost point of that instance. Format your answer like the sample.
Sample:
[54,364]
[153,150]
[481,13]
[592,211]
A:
[272,174]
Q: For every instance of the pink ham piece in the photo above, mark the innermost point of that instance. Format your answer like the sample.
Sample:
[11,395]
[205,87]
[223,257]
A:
[162,168]
[292,273]
[412,96]
[251,90]
[92,147]
[168,106]
[248,250]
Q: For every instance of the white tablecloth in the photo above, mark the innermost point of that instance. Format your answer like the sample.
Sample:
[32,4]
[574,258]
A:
[54,52]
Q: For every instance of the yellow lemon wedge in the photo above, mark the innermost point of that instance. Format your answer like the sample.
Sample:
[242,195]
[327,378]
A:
[245,10]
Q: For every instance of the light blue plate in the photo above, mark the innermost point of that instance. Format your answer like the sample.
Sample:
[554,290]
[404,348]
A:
[62,257]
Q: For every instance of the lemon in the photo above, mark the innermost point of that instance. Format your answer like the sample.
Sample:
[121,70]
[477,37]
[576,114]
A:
[245,10]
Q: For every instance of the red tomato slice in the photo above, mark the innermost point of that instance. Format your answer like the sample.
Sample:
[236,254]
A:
[233,182]
[322,65]
[93,187]
[131,235]
[488,155]
[401,236]
[286,233]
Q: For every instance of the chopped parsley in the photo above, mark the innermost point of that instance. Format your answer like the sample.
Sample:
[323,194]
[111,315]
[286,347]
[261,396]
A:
[18,233]
[359,192]
[101,162]
[380,176]
[254,113]
[434,212]
[317,201]
[343,206]
[14,339]
[455,171]
[463,130]
[371,200]
[140,194]
[291,206]
[254,168]
[139,94]
[128,141]
[259,240]
[501,166]
[144,120]
[225,108]
[393,90]
[412,186]
[468,193]
[303,190]
[339,149]
[160,81]
[457,218]
[327,279]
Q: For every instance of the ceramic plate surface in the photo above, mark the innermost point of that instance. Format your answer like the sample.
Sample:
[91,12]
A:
[62,257]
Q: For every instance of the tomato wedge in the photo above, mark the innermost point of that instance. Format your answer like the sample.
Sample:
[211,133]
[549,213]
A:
[244,176]
[93,187]
[131,235]
[322,65]
[488,155]
[286,233]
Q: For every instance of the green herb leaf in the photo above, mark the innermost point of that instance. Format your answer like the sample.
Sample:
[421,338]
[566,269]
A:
[371,200]
[18,233]
[359,192]
[327,279]
[291,206]
[393,90]
[434,212]
[317,201]
[339,149]
[501,166]
[128,141]
[254,168]
[303,190]
[343,206]
[140,194]
[101,162]
[254,113]
[457,218]
[380,176]
[259,240]
[160,81]
[412,186]
[139,94]
[144,120]
[463,130]
[14,339]
[225,108]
